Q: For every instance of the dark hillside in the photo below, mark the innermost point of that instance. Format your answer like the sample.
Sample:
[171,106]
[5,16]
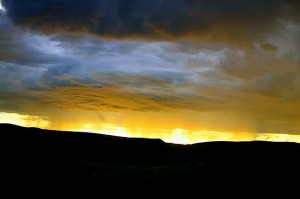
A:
[43,155]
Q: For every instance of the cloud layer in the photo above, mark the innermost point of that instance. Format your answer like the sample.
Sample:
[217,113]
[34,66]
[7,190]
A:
[234,21]
[220,59]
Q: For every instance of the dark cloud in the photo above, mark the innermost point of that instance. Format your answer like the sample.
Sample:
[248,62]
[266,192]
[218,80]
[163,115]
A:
[269,47]
[214,20]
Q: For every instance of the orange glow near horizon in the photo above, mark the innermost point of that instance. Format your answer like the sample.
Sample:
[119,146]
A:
[177,136]
[23,120]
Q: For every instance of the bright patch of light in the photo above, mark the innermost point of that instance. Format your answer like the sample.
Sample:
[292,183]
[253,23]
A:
[279,137]
[23,120]
[43,44]
[106,129]
[177,136]
[1,7]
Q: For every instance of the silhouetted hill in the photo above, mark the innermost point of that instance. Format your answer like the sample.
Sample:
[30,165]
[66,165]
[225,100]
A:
[42,156]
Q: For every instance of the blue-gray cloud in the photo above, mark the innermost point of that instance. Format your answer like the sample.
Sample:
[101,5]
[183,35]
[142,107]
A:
[23,48]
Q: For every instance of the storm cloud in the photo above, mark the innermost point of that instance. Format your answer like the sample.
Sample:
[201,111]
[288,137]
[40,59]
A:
[233,21]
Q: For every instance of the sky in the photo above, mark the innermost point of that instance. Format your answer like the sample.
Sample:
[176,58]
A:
[184,71]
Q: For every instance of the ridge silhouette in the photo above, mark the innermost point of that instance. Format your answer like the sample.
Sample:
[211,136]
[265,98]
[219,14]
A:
[45,155]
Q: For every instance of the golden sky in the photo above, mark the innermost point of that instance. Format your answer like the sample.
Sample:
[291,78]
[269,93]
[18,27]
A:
[145,130]
[184,71]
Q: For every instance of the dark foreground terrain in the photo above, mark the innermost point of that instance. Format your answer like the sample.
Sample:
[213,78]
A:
[31,154]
